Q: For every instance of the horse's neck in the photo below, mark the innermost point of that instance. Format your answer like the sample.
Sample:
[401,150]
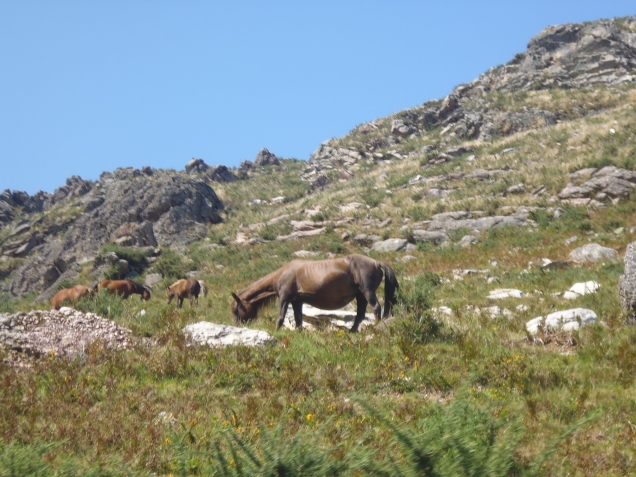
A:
[262,288]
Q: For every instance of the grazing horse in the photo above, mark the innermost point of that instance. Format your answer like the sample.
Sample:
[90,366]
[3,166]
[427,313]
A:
[72,294]
[189,288]
[124,288]
[326,284]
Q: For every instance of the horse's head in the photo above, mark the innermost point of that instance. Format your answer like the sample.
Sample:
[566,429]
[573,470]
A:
[145,294]
[242,310]
[170,293]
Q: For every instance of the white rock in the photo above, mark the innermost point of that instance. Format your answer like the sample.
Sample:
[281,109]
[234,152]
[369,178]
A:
[495,311]
[585,288]
[567,320]
[350,207]
[316,318]
[505,293]
[523,308]
[304,254]
[211,334]
[593,252]
[570,295]
[442,310]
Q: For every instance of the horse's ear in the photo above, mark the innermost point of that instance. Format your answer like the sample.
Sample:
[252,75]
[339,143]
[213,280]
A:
[235,296]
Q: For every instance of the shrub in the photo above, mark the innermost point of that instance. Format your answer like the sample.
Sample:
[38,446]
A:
[103,304]
[372,197]
[171,265]
[135,257]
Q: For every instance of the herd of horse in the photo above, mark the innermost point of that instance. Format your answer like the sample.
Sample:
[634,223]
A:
[185,288]
[326,284]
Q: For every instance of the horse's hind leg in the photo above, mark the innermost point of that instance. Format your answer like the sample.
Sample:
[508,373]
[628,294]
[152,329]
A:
[298,314]
[361,308]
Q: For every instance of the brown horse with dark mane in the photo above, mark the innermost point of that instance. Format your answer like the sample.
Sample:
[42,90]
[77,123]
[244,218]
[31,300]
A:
[186,288]
[72,294]
[124,288]
[325,284]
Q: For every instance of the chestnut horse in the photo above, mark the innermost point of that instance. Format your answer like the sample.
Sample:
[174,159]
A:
[325,284]
[187,288]
[72,294]
[124,288]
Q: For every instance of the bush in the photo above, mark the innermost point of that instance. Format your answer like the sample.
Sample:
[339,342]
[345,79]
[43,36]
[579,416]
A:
[134,256]
[372,197]
[103,304]
[171,265]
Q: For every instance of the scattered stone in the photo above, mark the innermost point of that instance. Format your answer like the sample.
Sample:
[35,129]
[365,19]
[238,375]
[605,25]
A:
[570,295]
[315,318]
[304,254]
[390,245]
[567,320]
[152,279]
[516,189]
[505,293]
[407,258]
[467,241]
[522,308]
[450,221]
[442,310]
[570,240]
[58,333]
[585,288]
[350,207]
[213,335]
[301,234]
[435,237]
[593,253]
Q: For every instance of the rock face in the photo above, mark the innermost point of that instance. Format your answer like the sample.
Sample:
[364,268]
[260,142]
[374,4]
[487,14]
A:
[572,56]
[566,56]
[593,252]
[449,221]
[126,207]
[210,334]
[609,182]
[568,320]
[627,284]
[390,245]
[60,333]
[266,158]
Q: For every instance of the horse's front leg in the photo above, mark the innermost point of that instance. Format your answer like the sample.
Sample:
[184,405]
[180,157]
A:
[282,311]
[361,308]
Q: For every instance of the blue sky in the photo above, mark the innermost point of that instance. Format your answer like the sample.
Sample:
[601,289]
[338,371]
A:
[87,87]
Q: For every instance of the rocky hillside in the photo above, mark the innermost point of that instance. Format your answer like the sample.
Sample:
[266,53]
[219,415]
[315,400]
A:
[569,73]
[507,212]
[572,56]
[49,237]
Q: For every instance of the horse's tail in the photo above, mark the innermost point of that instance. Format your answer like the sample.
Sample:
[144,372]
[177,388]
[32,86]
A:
[390,286]
[204,288]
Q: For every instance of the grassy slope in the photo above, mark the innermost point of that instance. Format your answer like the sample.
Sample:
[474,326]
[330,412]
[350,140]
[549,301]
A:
[339,394]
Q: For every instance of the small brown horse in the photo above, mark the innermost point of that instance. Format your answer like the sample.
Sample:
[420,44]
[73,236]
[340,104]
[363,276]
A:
[326,284]
[72,294]
[124,288]
[189,288]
